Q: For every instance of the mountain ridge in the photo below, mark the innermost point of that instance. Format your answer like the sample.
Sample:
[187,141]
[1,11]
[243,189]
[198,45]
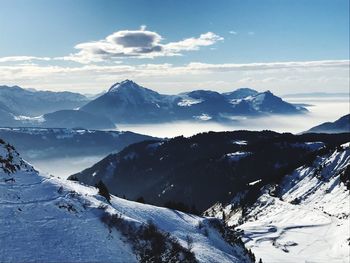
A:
[128,102]
[33,103]
[338,126]
[170,170]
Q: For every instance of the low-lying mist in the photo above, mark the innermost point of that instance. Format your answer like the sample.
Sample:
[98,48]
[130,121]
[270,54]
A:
[320,110]
[64,167]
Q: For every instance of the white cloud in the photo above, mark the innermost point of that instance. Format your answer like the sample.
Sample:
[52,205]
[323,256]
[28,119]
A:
[193,67]
[270,79]
[102,66]
[22,59]
[251,33]
[270,65]
[246,80]
[283,77]
[192,43]
[140,43]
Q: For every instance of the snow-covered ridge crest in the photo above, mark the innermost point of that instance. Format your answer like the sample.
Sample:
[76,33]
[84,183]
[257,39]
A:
[124,83]
[10,161]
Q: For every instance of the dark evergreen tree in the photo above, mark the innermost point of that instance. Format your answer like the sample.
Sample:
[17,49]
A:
[140,200]
[223,215]
[103,190]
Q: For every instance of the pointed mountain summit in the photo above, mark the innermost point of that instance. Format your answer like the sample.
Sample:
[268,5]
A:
[240,93]
[133,93]
[127,101]
[125,84]
[269,103]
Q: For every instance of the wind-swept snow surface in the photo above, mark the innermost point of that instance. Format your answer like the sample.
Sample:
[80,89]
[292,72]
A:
[46,219]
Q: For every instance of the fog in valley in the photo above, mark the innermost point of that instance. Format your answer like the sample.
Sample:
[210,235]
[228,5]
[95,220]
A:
[320,110]
[64,167]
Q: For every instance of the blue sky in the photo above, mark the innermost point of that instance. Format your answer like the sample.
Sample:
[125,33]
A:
[43,35]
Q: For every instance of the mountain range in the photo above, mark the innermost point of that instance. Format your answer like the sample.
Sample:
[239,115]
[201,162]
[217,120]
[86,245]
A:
[31,108]
[128,102]
[32,103]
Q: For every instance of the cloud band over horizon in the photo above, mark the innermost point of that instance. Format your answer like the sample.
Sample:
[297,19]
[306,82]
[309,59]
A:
[98,77]
[100,63]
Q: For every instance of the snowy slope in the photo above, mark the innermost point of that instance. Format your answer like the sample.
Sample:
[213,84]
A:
[52,220]
[307,221]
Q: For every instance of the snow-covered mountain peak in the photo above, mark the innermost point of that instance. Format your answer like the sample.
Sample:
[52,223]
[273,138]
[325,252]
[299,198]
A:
[240,93]
[125,84]
[269,103]
[130,92]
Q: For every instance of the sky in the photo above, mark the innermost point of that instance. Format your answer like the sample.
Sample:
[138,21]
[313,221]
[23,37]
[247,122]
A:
[171,46]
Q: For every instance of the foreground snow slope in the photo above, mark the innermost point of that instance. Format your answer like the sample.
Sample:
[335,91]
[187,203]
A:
[46,219]
[308,220]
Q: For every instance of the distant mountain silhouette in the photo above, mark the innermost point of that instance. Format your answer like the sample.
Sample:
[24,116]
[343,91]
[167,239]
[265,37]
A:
[30,102]
[46,143]
[338,126]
